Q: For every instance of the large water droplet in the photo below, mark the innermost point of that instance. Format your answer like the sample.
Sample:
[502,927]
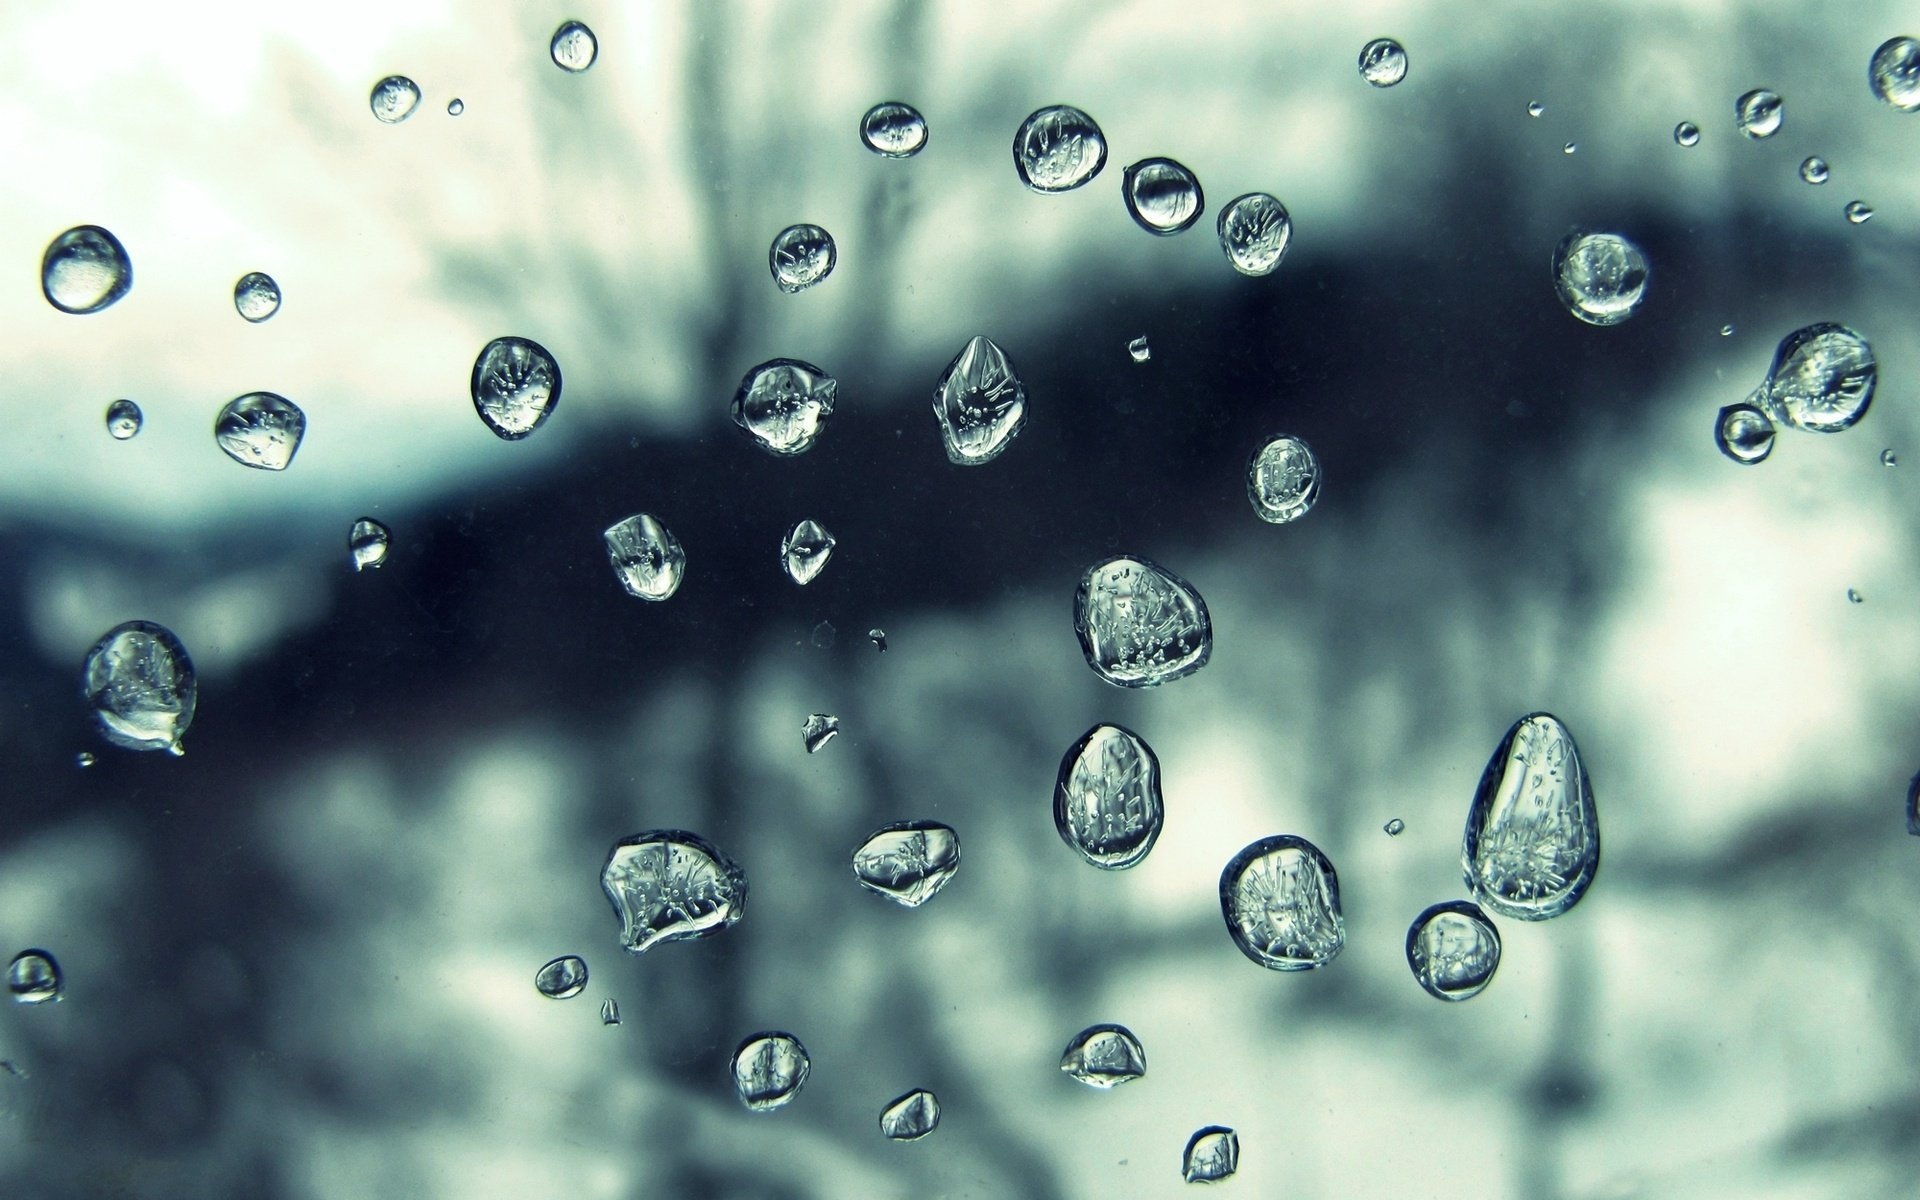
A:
[1859,212]
[1212,1154]
[1140,625]
[980,403]
[1601,277]
[1743,433]
[1255,231]
[515,386]
[394,98]
[818,730]
[911,1117]
[1138,350]
[646,557]
[1686,133]
[609,1011]
[33,977]
[769,1070]
[140,685]
[563,978]
[1283,479]
[256,297]
[801,256]
[1894,73]
[908,862]
[1058,148]
[260,429]
[367,543]
[894,130]
[574,47]
[1106,798]
[1532,843]
[1383,62]
[1453,950]
[1821,380]
[1104,1056]
[1759,113]
[84,270]
[1281,899]
[1814,170]
[784,403]
[1163,196]
[668,885]
[805,550]
[123,419]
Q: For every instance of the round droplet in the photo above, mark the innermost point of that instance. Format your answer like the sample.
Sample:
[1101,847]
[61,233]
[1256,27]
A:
[1570,148]
[646,557]
[1536,109]
[260,430]
[1104,1056]
[1254,232]
[1394,828]
[1383,62]
[256,297]
[1453,950]
[1139,624]
[33,977]
[1894,73]
[1138,349]
[139,683]
[85,270]
[1814,170]
[563,978]
[805,550]
[1058,148]
[1888,458]
[818,730]
[894,130]
[367,544]
[1601,277]
[123,419]
[668,885]
[769,1069]
[1212,1154]
[801,256]
[1532,842]
[783,404]
[1283,479]
[1759,113]
[515,386]
[1106,798]
[1744,434]
[822,635]
[1686,133]
[1822,379]
[911,1117]
[455,107]
[980,403]
[394,99]
[1858,212]
[574,47]
[1854,597]
[1281,899]
[1163,196]
[908,862]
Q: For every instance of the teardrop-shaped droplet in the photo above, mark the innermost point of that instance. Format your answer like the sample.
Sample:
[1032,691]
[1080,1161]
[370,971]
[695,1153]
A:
[668,885]
[819,729]
[783,404]
[563,978]
[911,1117]
[1163,196]
[1255,230]
[1759,113]
[1533,835]
[980,402]
[1743,433]
[908,862]
[801,256]
[646,557]
[1140,625]
[894,130]
[805,550]
[367,543]
[1894,73]
[574,47]
[261,430]
[609,1011]
[1058,148]
[33,977]
[1281,899]
[769,1069]
[1859,212]
[1453,950]
[1106,798]
[1686,133]
[140,685]
[394,98]
[123,419]
[85,270]
[1283,479]
[1104,1056]
[1212,1154]
[515,386]
[1383,62]
[1822,379]
[1814,170]
[256,297]
[1601,277]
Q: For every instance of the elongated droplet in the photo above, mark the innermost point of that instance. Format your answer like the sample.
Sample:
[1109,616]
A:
[260,430]
[820,728]
[609,1011]
[1913,806]
[908,862]
[515,386]
[33,977]
[574,47]
[1532,843]
[1106,798]
[1139,350]
[1255,231]
[769,1069]
[980,403]
[1383,62]
[1281,899]
[1743,433]
[256,297]
[1212,1154]
[1686,133]
[85,270]
[1394,828]
[563,978]
[1822,379]
[123,420]
[1163,196]
[892,129]
[668,885]
[1759,113]
[1859,212]
[1600,277]
[393,99]
[1139,624]
[140,685]
[801,256]
[1453,950]
[1283,479]
[1058,148]
[1894,73]
[646,557]
[783,404]
[1104,1056]
[367,543]
[1814,170]
[805,550]
[911,1117]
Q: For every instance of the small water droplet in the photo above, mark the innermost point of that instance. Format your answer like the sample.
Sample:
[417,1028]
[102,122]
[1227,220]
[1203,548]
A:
[1283,479]
[563,978]
[515,386]
[394,98]
[1453,950]
[367,544]
[123,419]
[805,550]
[1814,170]
[1822,379]
[801,256]
[1104,1056]
[783,404]
[980,403]
[1859,212]
[823,635]
[1888,458]
[819,729]
[646,557]
[1255,230]
[1106,797]
[256,297]
[1395,827]
[1058,148]
[84,759]
[1743,433]
[769,1069]
[1600,277]
[1854,597]
[455,107]
[1281,900]
[908,862]
[1139,624]
[1139,349]
[140,684]
[85,270]
[1383,62]
[1894,73]
[911,1117]
[1536,109]
[1759,113]
[1726,331]
[1212,1154]
[879,639]
[1570,148]
[609,1011]
[892,129]
[1686,133]
[34,977]
[1532,841]
[1163,196]
[574,47]
[668,885]
[260,430]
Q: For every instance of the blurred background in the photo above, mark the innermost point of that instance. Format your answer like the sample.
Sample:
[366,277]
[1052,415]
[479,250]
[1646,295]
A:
[299,960]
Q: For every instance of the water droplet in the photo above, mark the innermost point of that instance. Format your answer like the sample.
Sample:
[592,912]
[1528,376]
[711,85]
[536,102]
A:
[515,386]
[1281,899]
[801,256]
[980,403]
[894,130]
[1140,625]
[123,419]
[85,270]
[911,1117]
[1255,231]
[367,543]
[1058,148]
[823,635]
[1743,433]
[646,557]
[1532,843]
[1212,1154]
[33,977]
[84,759]
[1859,212]
[1726,331]
[261,430]
[879,639]
[1106,797]
[563,978]
[1822,379]
[1570,148]
[1395,827]
[1139,349]
[908,862]
[256,297]
[784,404]
[1104,1056]
[1854,597]
[455,107]
[820,728]
[1814,170]
[769,1070]
[1536,109]
[609,1011]
[1163,196]
[394,99]
[668,885]
[805,550]
[1453,950]
[1894,73]
[1283,479]
[1601,277]
[1383,62]
[1913,806]
[1686,133]
[1888,458]
[140,685]
[1759,113]
[574,47]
